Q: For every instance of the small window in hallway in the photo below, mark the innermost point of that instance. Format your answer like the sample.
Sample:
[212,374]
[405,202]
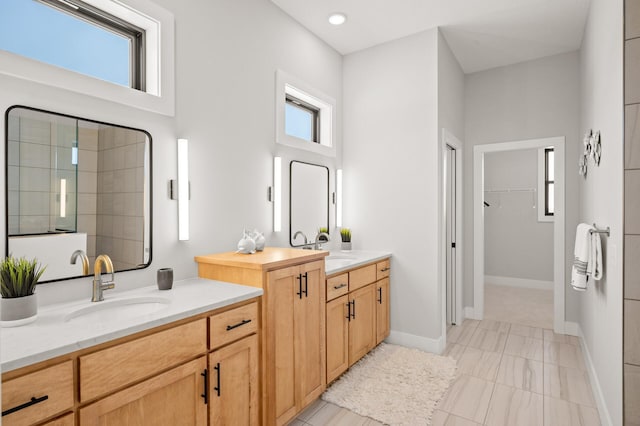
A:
[548,181]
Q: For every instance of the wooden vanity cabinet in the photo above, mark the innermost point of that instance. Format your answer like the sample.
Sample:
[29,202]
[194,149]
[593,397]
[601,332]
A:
[38,395]
[293,326]
[198,371]
[358,320]
[173,398]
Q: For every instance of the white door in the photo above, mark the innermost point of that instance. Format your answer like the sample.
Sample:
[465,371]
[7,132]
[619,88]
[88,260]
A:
[450,243]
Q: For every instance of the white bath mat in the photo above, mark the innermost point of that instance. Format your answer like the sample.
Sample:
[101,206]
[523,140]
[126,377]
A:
[394,385]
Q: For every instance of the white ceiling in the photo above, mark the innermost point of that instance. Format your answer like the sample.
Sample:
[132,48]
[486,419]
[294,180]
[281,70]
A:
[483,34]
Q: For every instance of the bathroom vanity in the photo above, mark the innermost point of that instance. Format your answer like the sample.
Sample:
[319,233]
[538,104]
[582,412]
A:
[307,339]
[188,357]
[293,332]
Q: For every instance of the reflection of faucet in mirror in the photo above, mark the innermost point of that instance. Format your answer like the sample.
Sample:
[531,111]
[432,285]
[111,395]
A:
[306,242]
[98,285]
[317,245]
[85,260]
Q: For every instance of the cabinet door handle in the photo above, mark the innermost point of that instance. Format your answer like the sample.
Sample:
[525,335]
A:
[306,284]
[349,311]
[28,404]
[240,324]
[380,295]
[338,287]
[299,293]
[353,311]
[385,269]
[217,388]
[205,395]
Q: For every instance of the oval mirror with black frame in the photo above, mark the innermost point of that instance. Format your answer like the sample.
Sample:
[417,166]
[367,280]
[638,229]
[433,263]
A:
[308,201]
[76,184]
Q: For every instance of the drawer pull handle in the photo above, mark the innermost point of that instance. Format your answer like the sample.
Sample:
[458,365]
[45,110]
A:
[205,395]
[240,324]
[33,401]
[385,269]
[338,287]
[217,388]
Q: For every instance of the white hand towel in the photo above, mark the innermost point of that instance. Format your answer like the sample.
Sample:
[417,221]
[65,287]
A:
[595,268]
[581,253]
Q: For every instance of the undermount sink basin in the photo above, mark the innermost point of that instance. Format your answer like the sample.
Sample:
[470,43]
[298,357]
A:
[118,310]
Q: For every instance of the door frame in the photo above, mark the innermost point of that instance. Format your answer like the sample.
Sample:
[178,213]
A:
[449,139]
[559,266]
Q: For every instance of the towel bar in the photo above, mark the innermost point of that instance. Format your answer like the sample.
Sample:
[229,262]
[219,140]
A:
[600,231]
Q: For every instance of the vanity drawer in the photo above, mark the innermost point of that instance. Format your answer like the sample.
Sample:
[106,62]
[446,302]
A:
[55,383]
[337,286]
[233,324]
[361,277]
[382,269]
[109,369]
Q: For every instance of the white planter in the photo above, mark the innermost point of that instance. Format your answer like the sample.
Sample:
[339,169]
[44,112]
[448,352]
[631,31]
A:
[346,246]
[18,311]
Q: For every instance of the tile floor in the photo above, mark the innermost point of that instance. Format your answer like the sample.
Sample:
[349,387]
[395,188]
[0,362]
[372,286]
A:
[508,374]
[525,306]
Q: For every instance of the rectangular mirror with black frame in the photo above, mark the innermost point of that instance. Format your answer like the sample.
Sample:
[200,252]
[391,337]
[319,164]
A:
[308,201]
[76,184]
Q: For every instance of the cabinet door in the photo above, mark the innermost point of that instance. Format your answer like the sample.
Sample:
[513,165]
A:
[283,284]
[310,334]
[382,310]
[234,384]
[362,327]
[337,337]
[173,398]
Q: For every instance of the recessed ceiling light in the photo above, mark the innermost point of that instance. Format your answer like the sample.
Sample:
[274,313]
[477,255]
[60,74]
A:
[337,18]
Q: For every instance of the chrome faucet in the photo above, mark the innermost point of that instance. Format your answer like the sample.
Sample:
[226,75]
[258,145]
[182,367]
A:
[98,285]
[306,241]
[317,245]
[85,260]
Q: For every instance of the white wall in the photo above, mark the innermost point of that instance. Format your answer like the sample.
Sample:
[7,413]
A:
[530,100]
[391,173]
[515,244]
[450,91]
[227,53]
[601,196]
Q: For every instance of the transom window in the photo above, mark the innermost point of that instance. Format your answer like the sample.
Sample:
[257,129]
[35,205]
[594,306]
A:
[302,120]
[548,182]
[76,36]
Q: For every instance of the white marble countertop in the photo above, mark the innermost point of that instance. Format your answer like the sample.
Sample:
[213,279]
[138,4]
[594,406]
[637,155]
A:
[50,336]
[340,261]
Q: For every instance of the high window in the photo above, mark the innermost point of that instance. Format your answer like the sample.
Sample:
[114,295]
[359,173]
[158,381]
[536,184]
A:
[548,182]
[76,36]
[302,120]
[305,117]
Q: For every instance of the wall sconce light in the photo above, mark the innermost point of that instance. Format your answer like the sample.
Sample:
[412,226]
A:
[339,197]
[183,189]
[63,198]
[277,194]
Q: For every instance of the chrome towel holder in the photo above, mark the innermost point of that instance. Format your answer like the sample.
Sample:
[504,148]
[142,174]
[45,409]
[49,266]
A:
[600,231]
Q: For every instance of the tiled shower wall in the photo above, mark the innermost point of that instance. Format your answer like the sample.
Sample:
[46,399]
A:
[120,219]
[632,214]
[88,188]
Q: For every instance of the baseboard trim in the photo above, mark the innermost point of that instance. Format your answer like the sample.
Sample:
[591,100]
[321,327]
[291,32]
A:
[470,312]
[571,328]
[518,282]
[418,342]
[605,417]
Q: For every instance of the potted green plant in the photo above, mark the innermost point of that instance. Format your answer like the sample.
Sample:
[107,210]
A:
[345,235]
[18,279]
